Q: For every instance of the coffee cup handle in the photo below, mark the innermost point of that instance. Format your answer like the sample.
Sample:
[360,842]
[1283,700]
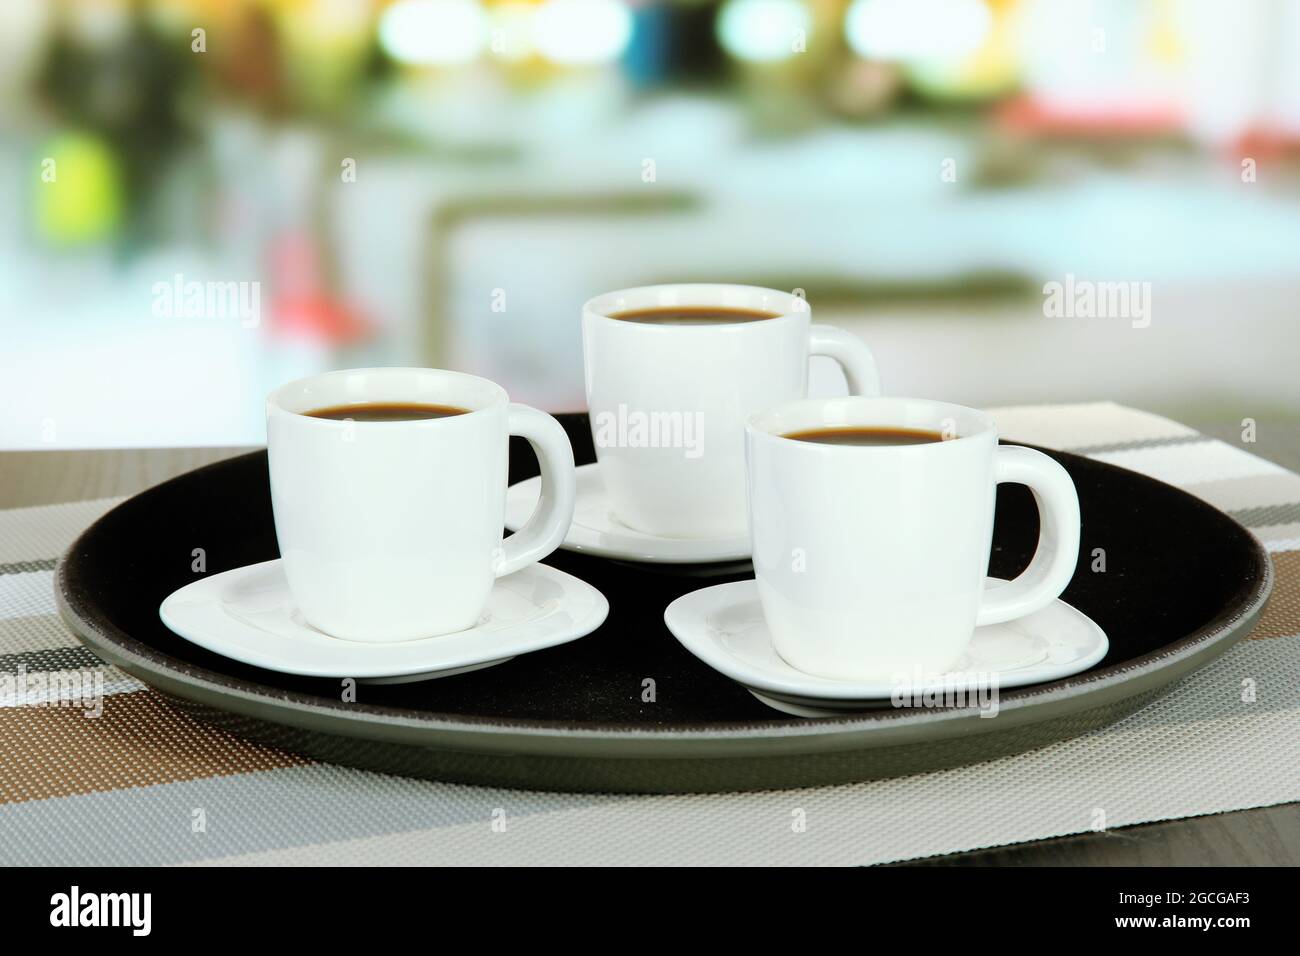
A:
[550,520]
[851,353]
[1052,565]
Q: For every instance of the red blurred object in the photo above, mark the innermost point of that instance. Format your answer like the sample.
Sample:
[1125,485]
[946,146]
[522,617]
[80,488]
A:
[1027,115]
[319,319]
[301,308]
[1266,144]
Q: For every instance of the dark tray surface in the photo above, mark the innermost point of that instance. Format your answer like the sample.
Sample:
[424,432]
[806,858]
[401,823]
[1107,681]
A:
[1173,565]
[1182,583]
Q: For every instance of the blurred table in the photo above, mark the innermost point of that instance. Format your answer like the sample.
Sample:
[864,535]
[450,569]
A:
[1268,836]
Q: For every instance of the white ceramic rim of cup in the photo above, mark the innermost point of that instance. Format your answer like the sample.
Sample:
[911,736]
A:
[397,384]
[854,411]
[787,306]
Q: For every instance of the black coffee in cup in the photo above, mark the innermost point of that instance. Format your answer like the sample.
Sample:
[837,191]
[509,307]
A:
[866,436]
[386,412]
[692,315]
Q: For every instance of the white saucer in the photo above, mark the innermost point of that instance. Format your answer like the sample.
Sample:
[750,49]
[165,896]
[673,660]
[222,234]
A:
[724,627]
[249,615]
[595,530]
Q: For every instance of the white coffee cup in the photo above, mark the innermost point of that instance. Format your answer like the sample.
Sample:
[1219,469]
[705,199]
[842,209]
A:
[870,561]
[668,403]
[391,531]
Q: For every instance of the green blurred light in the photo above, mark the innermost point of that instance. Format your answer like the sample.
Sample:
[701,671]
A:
[78,190]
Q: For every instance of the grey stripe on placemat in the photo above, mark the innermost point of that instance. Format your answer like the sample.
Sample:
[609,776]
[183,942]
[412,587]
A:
[1141,443]
[23,567]
[1267,515]
[50,659]
[254,812]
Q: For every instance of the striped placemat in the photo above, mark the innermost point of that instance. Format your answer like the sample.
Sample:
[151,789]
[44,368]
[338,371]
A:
[134,782]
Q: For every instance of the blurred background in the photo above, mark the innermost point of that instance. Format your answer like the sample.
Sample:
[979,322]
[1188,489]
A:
[201,199]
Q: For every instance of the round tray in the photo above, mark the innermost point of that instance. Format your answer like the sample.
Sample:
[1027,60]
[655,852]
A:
[627,708]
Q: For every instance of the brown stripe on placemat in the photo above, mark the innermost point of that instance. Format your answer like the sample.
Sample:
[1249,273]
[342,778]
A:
[138,741]
[1281,615]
